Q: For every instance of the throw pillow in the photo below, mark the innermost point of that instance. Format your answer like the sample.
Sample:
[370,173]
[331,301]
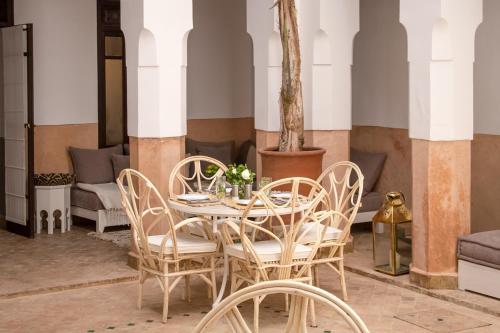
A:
[371,165]
[120,162]
[93,166]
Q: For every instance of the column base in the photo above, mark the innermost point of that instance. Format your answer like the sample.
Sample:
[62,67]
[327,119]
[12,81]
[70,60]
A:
[433,280]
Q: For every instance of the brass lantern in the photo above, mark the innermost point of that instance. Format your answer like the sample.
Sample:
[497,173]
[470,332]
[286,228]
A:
[392,245]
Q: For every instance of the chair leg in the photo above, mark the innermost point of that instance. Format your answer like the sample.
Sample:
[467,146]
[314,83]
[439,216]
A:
[342,280]
[316,275]
[212,278]
[165,294]
[187,290]
[233,277]
[256,306]
[312,307]
[141,282]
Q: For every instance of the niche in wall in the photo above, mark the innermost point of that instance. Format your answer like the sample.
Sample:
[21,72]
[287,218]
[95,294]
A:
[380,92]
[220,73]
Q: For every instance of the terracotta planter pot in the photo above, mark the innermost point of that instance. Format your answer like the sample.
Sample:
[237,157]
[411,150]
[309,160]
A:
[278,165]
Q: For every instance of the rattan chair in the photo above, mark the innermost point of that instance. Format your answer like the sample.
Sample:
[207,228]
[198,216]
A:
[189,174]
[302,294]
[172,255]
[344,183]
[269,248]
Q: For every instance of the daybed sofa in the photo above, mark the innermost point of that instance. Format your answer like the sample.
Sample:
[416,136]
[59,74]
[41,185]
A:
[94,167]
[479,263]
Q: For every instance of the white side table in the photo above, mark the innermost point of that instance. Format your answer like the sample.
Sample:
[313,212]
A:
[53,200]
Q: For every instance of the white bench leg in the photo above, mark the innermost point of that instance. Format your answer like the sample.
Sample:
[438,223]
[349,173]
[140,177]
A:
[38,223]
[69,220]
[50,223]
[63,223]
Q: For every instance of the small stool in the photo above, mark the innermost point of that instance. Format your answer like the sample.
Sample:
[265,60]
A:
[53,203]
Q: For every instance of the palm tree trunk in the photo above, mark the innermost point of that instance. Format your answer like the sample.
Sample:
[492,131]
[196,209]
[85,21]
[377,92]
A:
[291,104]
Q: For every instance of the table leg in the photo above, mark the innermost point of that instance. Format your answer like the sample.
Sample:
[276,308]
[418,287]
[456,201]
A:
[215,229]
[225,274]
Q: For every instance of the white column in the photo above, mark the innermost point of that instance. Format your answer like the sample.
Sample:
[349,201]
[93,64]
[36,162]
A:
[156,38]
[441,54]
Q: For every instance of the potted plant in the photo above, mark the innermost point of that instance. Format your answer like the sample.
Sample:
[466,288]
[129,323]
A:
[290,157]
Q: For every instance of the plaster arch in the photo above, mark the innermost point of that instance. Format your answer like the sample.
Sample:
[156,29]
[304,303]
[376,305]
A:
[275,50]
[380,93]
[322,54]
[148,54]
[441,41]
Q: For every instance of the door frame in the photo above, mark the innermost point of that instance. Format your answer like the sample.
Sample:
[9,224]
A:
[109,25]
[29,229]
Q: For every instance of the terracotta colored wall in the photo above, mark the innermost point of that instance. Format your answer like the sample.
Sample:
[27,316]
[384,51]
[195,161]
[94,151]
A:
[222,129]
[485,191]
[396,175]
[52,142]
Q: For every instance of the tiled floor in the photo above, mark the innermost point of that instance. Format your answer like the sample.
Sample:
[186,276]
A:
[360,261]
[53,261]
[100,308]
[45,267]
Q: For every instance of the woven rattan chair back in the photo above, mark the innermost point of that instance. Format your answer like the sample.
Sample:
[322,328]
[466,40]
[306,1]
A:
[146,210]
[301,293]
[284,229]
[189,175]
[344,183]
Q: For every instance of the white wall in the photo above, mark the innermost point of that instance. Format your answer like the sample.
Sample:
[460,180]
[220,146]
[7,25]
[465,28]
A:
[487,71]
[380,68]
[220,72]
[65,59]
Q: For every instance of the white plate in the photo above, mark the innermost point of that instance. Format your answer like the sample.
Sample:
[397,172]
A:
[245,202]
[281,195]
[193,197]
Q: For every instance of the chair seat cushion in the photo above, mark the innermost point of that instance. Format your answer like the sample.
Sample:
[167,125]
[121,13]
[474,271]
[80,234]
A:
[482,248]
[185,244]
[269,250]
[310,236]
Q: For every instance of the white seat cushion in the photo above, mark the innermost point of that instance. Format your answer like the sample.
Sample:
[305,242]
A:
[185,244]
[311,235]
[269,250]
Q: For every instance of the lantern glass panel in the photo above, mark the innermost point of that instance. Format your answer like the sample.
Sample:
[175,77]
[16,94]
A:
[386,237]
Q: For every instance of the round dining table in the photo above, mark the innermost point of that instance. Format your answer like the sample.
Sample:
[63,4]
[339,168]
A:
[220,211]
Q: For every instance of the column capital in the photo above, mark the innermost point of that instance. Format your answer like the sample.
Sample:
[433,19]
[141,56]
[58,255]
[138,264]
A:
[156,33]
[441,37]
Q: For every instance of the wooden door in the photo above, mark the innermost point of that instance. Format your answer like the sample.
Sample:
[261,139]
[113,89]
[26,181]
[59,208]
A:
[17,44]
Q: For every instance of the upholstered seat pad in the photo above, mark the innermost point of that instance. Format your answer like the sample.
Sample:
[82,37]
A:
[269,250]
[311,235]
[482,248]
[185,244]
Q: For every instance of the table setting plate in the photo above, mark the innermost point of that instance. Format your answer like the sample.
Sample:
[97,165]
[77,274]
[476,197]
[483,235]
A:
[193,197]
[245,202]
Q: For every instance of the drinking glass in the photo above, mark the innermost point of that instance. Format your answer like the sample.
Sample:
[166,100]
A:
[264,181]
[220,187]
